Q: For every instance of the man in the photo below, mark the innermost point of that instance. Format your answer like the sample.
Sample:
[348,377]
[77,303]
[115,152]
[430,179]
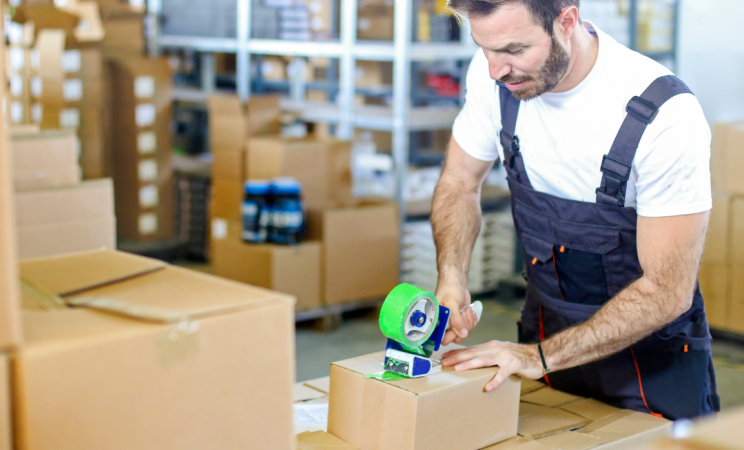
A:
[610,196]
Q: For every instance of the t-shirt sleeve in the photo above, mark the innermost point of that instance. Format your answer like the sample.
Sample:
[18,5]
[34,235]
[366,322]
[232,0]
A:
[477,126]
[674,169]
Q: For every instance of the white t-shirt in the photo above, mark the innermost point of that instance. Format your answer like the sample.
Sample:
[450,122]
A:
[564,136]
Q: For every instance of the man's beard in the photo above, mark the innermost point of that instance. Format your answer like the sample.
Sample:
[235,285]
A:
[548,77]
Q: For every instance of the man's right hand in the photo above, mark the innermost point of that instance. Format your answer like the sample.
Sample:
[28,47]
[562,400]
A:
[461,323]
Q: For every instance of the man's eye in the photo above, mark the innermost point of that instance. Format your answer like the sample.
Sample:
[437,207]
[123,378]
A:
[515,52]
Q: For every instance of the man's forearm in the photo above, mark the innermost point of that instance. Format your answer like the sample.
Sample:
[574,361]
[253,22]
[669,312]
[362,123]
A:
[648,304]
[456,221]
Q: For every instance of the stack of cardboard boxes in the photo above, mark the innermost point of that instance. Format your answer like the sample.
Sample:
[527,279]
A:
[140,140]
[56,213]
[351,249]
[722,271]
[56,74]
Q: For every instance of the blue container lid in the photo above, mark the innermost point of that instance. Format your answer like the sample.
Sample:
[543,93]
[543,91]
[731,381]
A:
[256,187]
[285,185]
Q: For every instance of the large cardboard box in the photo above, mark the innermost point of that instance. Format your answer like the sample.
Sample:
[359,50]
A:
[360,250]
[151,356]
[293,270]
[10,324]
[66,219]
[445,410]
[125,36]
[323,168]
[50,59]
[717,239]
[226,199]
[45,159]
[6,429]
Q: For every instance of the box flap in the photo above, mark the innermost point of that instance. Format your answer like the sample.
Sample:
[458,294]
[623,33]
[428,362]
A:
[572,440]
[320,440]
[519,443]
[625,424]
[303,393]
[321,384]
[549,397]
[590,409]
[69,274]
[45,15]
[538,421]
[531,386]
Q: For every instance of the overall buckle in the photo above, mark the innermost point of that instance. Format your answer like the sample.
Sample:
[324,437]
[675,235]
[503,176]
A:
[642,110]
[616,173]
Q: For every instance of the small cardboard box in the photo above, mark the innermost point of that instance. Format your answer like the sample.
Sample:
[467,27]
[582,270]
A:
[66,219]
[445,410]
[293,270]
[6,430]
[360,250]
[376,22]
[45,159]
[323,168]
[152,356]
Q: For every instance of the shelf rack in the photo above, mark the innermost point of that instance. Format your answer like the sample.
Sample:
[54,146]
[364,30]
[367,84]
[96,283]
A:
[400,119]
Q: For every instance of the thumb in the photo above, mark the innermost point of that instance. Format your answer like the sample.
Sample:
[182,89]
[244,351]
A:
[457,323]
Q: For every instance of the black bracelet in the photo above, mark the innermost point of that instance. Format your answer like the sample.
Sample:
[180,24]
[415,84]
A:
[542,357]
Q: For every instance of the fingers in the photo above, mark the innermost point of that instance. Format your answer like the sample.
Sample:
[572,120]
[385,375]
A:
[462,356]
[452,353]
[503,374]
[449,337]
[458,323]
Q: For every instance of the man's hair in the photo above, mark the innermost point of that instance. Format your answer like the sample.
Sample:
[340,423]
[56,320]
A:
[544,12]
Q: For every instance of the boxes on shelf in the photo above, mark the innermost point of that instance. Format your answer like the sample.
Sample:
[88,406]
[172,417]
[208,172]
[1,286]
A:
[141,145]
[323,167]
[80,21]
[444,410]
[125,36]
[45,159]
[374,74]
[173,349]
[293,270]
[376,21]
[67,219]
[360,249]
[10,322]
[121,8]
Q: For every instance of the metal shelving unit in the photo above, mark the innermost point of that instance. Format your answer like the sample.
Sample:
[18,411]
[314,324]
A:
[400,119]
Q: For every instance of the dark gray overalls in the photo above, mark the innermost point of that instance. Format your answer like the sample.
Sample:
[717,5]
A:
[579,255]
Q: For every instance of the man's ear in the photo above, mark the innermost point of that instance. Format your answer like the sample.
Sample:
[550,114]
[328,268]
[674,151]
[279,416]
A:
[566,22]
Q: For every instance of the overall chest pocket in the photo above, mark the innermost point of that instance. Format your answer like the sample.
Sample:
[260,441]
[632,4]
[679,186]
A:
[580,252]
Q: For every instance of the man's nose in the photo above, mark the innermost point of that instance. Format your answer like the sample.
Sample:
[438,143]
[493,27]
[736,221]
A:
[497,68]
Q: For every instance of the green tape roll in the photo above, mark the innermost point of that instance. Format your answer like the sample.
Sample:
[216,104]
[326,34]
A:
[395,310]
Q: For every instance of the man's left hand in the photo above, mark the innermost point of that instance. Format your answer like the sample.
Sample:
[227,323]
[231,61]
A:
[512,359]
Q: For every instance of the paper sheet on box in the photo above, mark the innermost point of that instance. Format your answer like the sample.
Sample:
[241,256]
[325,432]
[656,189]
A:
[310,417]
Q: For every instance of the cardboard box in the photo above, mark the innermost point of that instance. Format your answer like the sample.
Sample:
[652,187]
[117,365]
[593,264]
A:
[736,231]
[46,159]
[360,250]
[323,168]
[717,239]
[51,59]
[93,159]
[226,199]
[445,410]
[374,74]
[714,284]
[125,36]
[735,310]
[67,92]
[293,270]
[6,429]
[66,219]
[81,21]
[376,22]
[320,440]
[727,157]
[121,8]
[169,359]
[227,124]
[10,323]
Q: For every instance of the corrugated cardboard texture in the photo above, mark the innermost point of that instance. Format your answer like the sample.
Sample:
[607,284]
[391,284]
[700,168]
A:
[320,440]
[195,384]
[360,250]
[444,410]
[293,270]
[10,323]
[6,430]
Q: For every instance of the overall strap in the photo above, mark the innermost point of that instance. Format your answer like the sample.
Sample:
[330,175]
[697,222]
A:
[642,110]
[513,161]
